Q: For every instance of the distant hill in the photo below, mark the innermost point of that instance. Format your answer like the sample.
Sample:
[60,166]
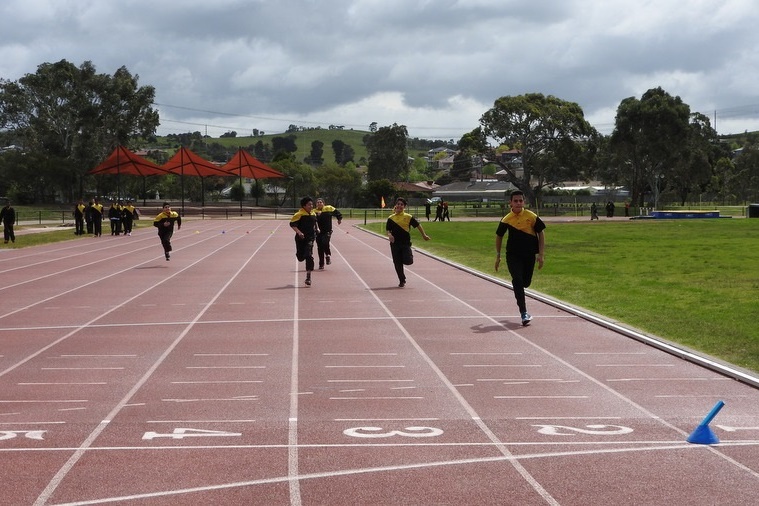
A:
[303,140]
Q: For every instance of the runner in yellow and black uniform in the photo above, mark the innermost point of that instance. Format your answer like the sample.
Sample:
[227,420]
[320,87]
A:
[398,228]
[164,222]
[304,224]
[524,246]
[324,214]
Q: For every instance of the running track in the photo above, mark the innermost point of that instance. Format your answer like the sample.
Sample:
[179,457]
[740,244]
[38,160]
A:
[219,378]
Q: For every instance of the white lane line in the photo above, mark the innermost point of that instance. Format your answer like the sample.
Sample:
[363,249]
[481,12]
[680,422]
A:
[568,418]
[225,367]
[375,398]
[82,368]
[360,354]
[364,366]
[32,423]
[708,396]
[199,421]
[635,365]
[486,354]
[502,365]
[230,355]
[610,353]
[383,470]
[95,356]
[359,380]
[549,380]
[63,383]
[431,419]
[40,401]
[541,396]
[721,378]
[44,497]
[214,382]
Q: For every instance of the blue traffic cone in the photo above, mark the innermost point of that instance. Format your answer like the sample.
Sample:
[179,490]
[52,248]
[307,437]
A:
[703,435]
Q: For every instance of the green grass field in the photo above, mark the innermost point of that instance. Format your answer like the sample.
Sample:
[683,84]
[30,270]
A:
[693,282]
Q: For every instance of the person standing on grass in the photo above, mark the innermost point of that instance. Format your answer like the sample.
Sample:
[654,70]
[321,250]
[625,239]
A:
[305,226]
[324,214]
[97,218]
[524,247]
[79,210]
[164,222]
[8,217]
[398,229]
[88,217]
[129,213]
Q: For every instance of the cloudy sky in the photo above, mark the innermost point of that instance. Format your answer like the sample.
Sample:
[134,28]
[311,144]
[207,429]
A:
[433,65]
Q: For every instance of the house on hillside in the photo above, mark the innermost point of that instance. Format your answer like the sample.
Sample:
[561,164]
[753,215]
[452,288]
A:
[487,190]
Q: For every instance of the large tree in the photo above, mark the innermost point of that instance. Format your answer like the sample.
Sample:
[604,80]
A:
[388,153]
[650,137]
[72,117]
[551,133]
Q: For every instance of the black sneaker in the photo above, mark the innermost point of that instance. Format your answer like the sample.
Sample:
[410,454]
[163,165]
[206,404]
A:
[401,284]
[329,261]
[526,318]
[168,257]
[308,280]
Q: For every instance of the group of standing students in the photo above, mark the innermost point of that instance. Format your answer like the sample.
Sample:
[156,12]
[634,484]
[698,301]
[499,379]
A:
[91,216]
[523,229]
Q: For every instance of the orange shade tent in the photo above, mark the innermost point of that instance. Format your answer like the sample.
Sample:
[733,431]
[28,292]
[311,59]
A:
[186,163]
[124,161]
[243,164]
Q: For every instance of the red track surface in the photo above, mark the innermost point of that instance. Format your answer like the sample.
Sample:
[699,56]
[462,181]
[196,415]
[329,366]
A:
[219,378]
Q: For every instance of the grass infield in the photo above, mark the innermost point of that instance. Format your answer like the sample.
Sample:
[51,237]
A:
[694,281]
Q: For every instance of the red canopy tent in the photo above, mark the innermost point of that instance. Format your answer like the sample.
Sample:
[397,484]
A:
[243,164]
[185,162]
[124,161]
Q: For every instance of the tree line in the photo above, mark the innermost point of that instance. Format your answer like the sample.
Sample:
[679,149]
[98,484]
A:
[61,121]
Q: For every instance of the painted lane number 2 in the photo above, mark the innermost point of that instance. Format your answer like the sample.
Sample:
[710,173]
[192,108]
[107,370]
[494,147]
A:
[596,430]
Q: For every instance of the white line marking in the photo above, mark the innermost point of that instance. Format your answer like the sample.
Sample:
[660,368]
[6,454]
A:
[610,353]
[225,367]
[82,368]
[540,397]
[568,418]
[722,378]
[370,381]
[230,355]
[199,421]
[360,354]
[95,356]
[635,365]
[380,470]
[213,382]
[386,419]
[364,366]
[374,398]
[60,384]
[501,365]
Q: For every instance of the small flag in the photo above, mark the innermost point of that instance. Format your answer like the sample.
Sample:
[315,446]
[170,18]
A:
[383,202]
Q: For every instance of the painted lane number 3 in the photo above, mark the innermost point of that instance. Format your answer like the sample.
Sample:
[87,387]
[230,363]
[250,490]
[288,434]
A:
[376,432]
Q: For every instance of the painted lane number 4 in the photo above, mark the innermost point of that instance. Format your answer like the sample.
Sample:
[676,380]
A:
[29,434]
[376,432]
[181,433]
